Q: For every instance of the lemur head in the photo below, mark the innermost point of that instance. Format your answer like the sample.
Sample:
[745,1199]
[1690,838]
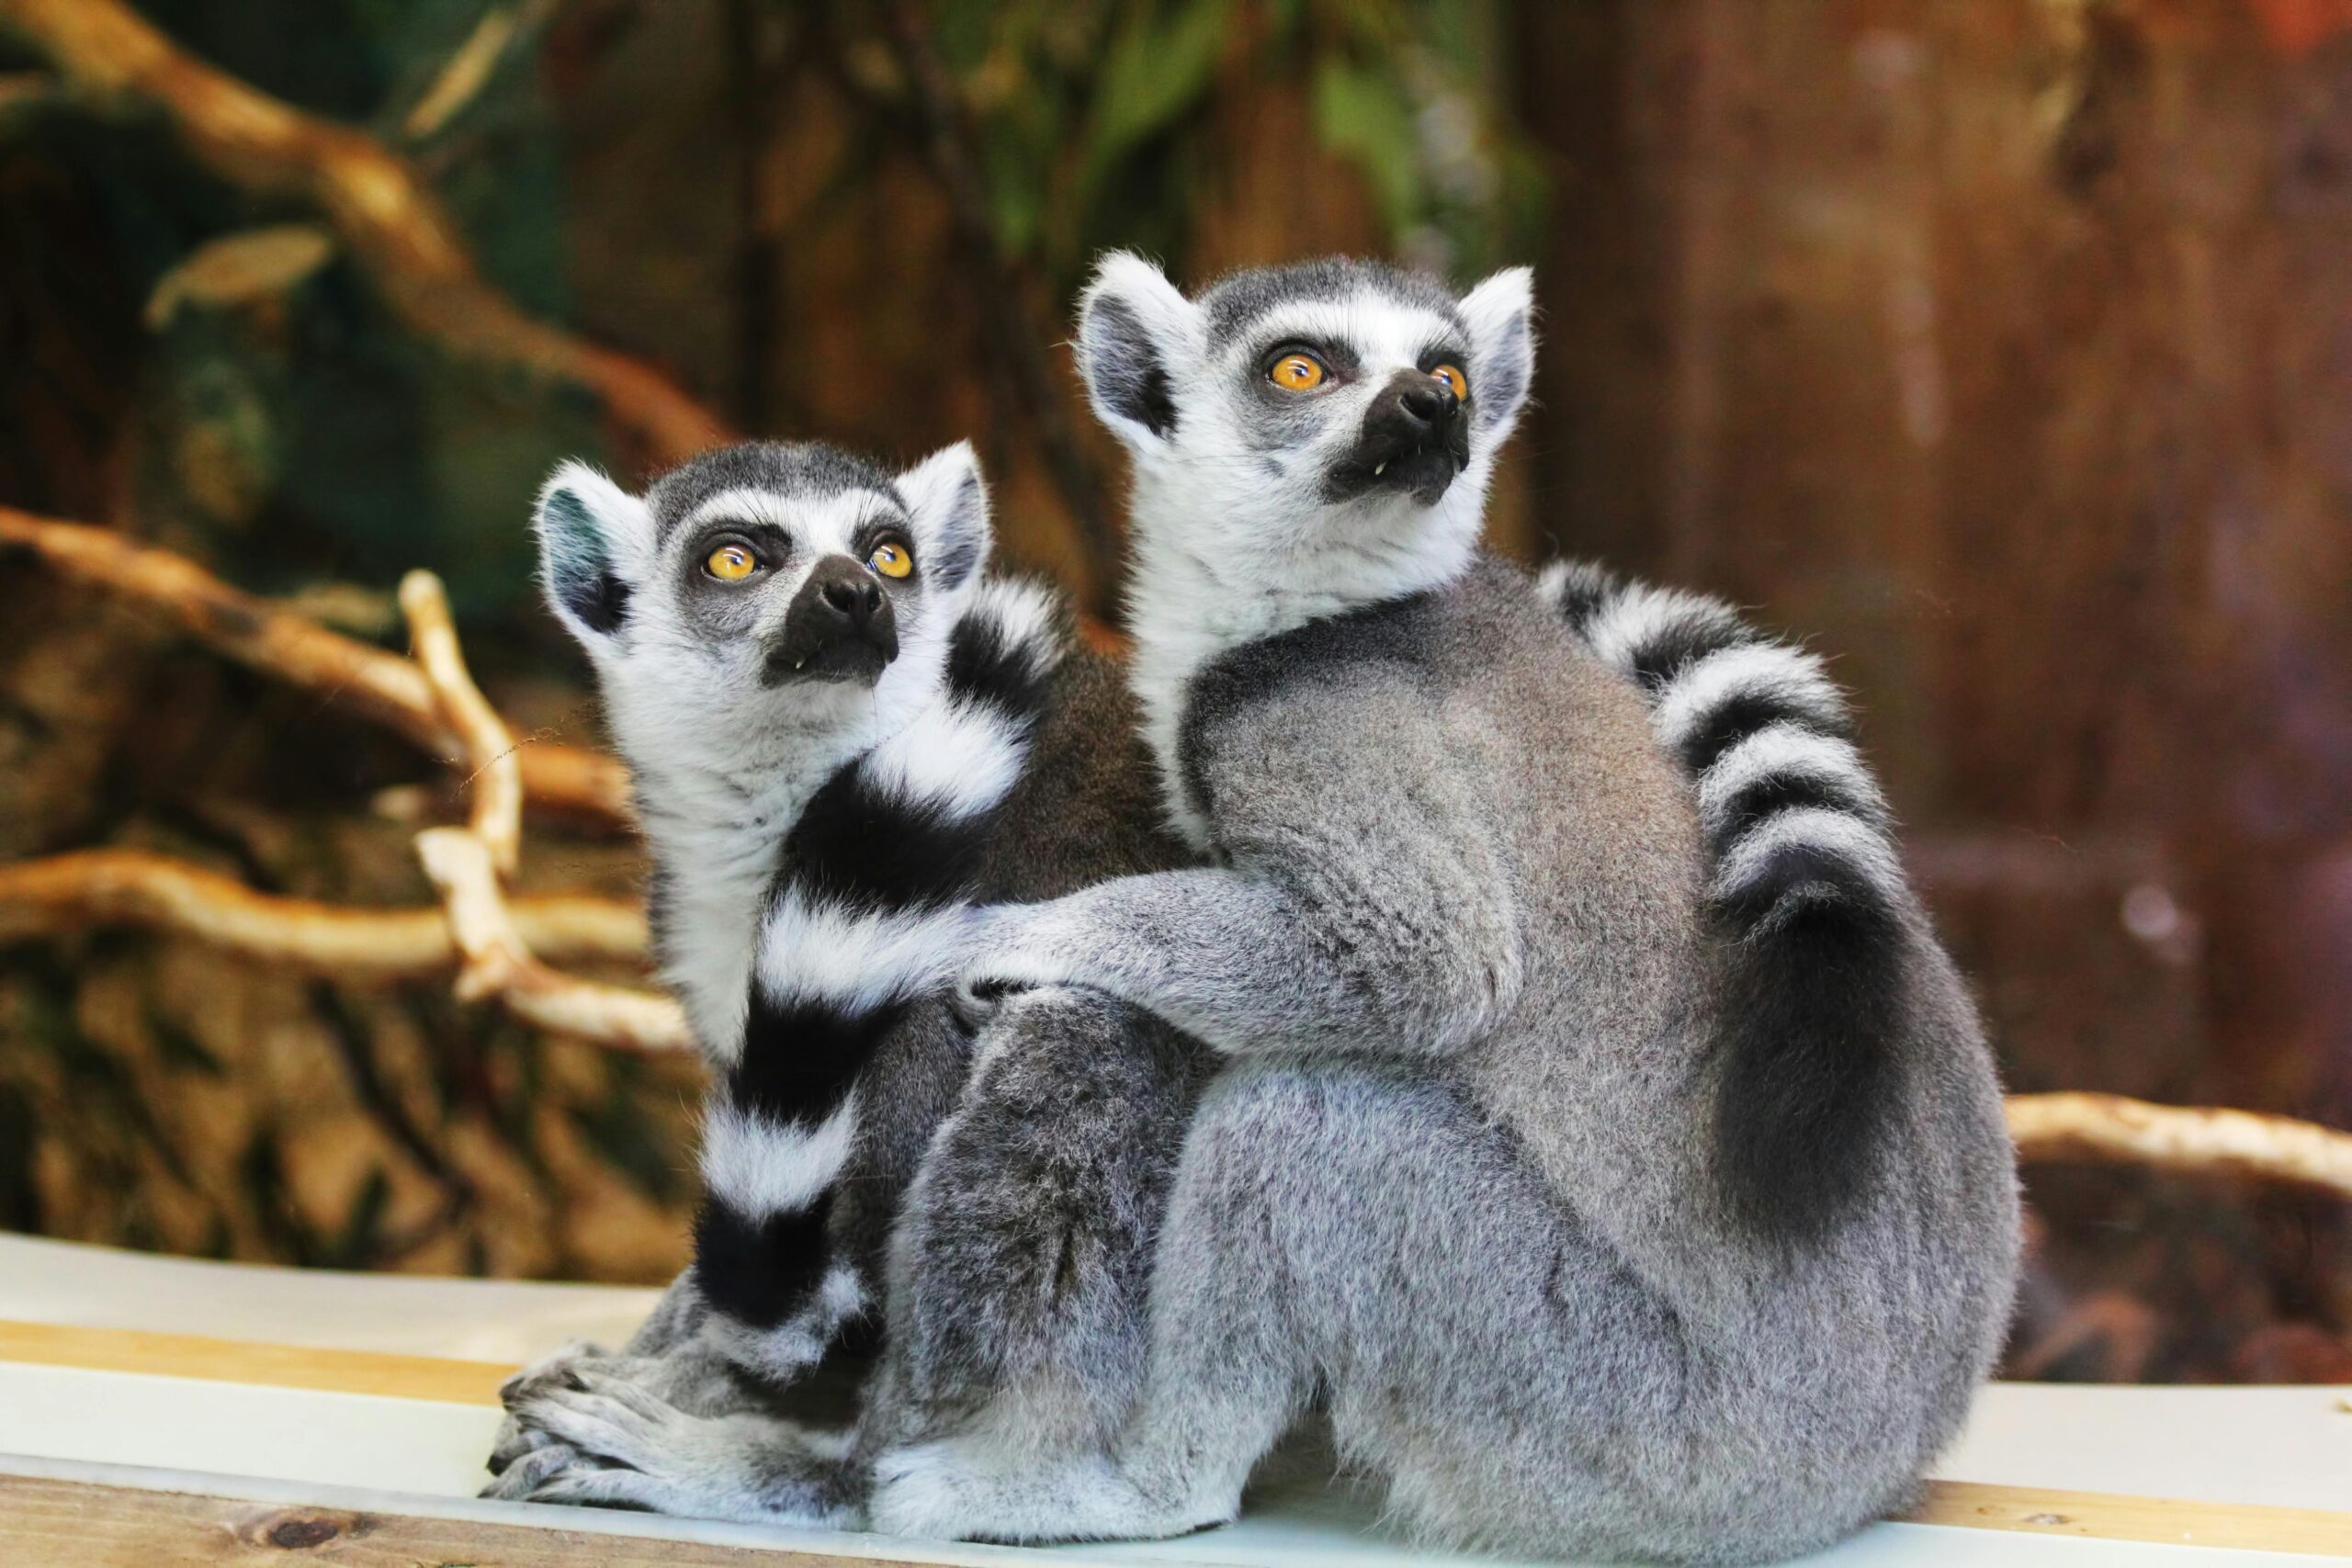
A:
[1330,425]
[763,594]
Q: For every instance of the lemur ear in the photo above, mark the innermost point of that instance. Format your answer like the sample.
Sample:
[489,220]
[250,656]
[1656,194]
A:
[1133,326]
[1501,315]
[948,503]
[595,546]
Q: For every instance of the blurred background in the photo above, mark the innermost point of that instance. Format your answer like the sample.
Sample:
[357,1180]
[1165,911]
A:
[2003,350]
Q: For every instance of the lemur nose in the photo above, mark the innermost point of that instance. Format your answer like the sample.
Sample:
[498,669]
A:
[1427,400]
[856,599]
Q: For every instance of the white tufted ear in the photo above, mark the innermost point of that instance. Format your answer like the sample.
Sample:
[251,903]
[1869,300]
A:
[1134,329]
[595,548]
[1501,315]
[948,503]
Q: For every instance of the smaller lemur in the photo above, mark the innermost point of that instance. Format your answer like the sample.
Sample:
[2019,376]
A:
[841,734]
[849,606]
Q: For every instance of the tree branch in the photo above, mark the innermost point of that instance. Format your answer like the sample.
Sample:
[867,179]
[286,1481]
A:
[386,216]
[497,962]
[382,687]
[496,781]
[2193,1141]
[131,887]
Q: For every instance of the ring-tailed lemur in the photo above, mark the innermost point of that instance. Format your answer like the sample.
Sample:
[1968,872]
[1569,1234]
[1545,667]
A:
[839,735]
[1612,1206]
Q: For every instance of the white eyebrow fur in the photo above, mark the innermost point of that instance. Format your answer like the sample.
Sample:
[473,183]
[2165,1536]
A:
[824,522]
[1380,328]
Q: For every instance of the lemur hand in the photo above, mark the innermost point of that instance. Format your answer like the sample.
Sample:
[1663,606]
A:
[1010,953]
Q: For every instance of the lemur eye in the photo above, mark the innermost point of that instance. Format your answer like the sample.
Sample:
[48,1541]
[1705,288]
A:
[731,563]
[892,559]
[1297,372]
[1455,381]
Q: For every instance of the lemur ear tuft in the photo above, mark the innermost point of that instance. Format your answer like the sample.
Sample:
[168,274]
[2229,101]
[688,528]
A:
[595,546]
[1500,313]
[948,503]
[1133,326]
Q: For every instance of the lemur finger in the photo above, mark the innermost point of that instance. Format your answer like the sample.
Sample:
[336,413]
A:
[615,1489]
[640,1399]
[515,1440]
[551,1366]
[977,999]
[530,1472]
[590,1422]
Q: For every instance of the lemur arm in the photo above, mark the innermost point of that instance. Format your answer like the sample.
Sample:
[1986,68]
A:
[1408,948]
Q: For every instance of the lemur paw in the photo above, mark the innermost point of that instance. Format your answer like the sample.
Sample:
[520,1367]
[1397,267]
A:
[618,1445]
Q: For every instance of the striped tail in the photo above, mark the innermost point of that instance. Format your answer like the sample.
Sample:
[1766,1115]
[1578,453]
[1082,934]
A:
[865,917]
[1803,879]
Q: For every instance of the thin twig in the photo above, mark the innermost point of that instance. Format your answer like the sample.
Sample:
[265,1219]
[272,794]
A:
[2192,1140]
[380,687]
[498,963]
[496,779]
[386,216]
[131,887]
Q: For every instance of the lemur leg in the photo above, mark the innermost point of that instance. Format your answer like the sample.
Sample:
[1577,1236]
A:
[1021,1262]
[1019,1276]
[1354,1225]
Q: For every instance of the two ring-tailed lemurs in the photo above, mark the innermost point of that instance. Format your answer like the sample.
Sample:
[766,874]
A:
[1623,1172]
[1620,1161]
[841,736]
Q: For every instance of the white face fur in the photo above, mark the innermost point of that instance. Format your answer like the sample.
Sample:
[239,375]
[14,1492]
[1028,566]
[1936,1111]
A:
[762,601]
[1305,440]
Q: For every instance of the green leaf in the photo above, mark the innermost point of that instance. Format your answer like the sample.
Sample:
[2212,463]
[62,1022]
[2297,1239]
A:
[1156,69]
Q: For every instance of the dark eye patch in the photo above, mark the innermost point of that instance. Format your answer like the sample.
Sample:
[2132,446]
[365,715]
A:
[1339,358]
[771,544]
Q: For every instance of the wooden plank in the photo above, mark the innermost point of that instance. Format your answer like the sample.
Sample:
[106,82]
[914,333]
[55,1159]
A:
[1954,1504]
[2094,1515]
[67,1524]
[248,1361]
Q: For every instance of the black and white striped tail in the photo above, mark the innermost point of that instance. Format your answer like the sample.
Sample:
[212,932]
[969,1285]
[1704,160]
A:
[1802,875]
[865,917]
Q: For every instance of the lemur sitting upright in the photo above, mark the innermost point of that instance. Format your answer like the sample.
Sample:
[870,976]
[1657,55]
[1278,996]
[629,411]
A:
[841,735]
[1624,1173]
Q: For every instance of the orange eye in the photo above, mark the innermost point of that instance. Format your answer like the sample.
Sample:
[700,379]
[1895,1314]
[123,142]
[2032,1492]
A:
[1455,381]
[1298,373]
[892,561]
[730,563]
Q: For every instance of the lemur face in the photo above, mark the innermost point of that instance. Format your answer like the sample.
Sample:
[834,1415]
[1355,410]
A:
[1334,404]
[762,586]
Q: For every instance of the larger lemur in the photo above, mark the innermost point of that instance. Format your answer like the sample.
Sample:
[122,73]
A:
[1623,1171]
[841,736]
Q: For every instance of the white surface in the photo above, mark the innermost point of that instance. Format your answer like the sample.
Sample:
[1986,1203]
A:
[473,1320]
[2288,1446]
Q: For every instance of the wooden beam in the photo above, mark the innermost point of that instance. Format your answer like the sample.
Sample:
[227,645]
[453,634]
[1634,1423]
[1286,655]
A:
[70,1524]
[245,1531]
[2096,1515]
[248,1361]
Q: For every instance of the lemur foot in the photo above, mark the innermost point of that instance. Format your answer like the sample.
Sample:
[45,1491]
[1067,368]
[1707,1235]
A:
[617,1444]
[949,1491]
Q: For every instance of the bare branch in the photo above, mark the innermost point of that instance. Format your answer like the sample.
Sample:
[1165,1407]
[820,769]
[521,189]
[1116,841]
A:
[129,887]
[496,781]
[388,218]
[2193,1141]
[382,687]
[497,962]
